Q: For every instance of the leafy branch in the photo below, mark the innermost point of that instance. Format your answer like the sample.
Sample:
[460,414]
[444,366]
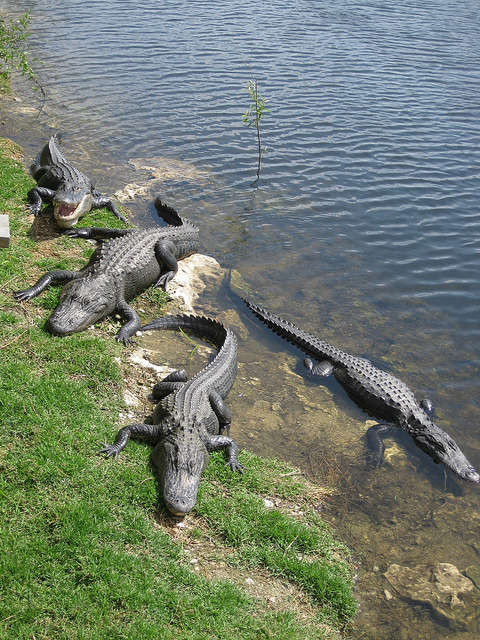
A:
[253,115]
[13,52]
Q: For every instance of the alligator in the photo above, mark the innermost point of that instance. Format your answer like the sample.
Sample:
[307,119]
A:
[71,191]
[190,417]
[376,392]
[118,270]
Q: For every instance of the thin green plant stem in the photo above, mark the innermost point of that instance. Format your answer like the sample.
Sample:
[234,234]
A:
[254,114]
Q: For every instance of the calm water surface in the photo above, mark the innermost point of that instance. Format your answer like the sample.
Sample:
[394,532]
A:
[364,227]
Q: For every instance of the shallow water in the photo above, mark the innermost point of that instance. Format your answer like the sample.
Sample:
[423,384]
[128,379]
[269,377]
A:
[363,228]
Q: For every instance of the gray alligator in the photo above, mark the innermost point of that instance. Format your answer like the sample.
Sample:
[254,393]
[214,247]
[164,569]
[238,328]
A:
[378,393]
[71,191]
[118,270]
[191,416]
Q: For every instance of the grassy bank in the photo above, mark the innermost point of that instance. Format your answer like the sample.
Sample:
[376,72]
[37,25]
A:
[85,551]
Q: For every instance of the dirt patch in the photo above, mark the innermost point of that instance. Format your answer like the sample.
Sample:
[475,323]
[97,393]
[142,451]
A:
[11,150]
[204,552]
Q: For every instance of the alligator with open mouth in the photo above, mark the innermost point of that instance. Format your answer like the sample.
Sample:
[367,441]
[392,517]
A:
[71,191]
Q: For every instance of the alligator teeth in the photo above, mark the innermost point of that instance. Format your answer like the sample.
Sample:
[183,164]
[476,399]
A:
[66,214]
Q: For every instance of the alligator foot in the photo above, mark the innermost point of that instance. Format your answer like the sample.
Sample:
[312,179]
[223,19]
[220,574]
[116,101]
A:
[427,406]
[132,325]
[321,369]
[165,254]
[25,295]
[215,443]
[374,437]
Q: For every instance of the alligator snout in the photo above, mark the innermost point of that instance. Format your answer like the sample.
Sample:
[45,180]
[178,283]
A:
[67,212]
[180,506]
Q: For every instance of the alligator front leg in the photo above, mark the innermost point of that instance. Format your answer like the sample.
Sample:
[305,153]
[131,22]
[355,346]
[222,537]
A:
[215,443]
[132,325]
[137,431]
[375,435]
[96,233]
[165,254]
[36,196]
[221,410]
[103,201]
[52,277]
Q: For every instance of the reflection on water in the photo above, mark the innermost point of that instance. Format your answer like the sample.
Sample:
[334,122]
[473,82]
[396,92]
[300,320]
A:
[364,229]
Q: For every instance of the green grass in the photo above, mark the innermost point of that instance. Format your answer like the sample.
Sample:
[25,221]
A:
[82,552]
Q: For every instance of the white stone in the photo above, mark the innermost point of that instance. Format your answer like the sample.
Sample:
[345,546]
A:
[4,231]
[129,399]
[191,279]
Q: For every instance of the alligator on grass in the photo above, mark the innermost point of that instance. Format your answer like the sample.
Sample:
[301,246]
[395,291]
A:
[378,393]
[71,191]
[191,416]
[120,269]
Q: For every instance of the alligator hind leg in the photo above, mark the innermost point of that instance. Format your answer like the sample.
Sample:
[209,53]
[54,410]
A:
[52,277]
[172,382]
[137,431]
[321,369]
[374,437]
[215,443]
[427,406]
[221,410]
[164,252]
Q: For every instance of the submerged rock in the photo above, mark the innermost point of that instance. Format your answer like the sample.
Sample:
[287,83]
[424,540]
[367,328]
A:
[130,191]
[451,597]
[166,169]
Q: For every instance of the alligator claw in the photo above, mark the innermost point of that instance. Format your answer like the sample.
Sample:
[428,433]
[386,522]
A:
[235,466]
[34,210]
[81,232]
[163,280]
[126,339]
[109,451]
[24,296]
[375,459]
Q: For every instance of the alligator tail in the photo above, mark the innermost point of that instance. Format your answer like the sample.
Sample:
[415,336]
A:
[201,326]
[51,153]
[307,342]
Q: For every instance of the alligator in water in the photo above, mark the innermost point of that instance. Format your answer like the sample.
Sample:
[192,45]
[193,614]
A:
[378,393]
[118,270]
[191,416]
[71,191]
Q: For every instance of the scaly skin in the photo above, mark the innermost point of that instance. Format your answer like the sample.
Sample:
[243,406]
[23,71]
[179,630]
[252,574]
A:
[120,269]
[380,394]
[71,191]
[190,418]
